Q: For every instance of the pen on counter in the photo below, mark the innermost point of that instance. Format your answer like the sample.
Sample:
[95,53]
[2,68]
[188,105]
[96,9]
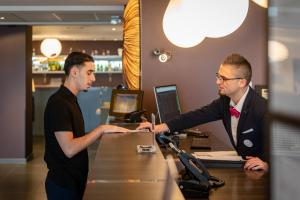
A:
[153,121]
[153,126]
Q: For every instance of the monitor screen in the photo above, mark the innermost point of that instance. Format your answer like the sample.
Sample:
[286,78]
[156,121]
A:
[262,90]
[125,101]
[167,102]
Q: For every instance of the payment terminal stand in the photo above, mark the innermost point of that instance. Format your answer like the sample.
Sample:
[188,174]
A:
[141,148]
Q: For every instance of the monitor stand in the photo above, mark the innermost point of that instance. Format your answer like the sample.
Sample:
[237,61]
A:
[113,119]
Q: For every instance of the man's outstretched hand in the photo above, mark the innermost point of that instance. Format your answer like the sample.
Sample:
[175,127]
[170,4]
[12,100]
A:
[113,129]
[160,128]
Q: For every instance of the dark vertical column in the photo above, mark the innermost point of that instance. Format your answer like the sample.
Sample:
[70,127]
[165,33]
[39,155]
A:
[15,103]
[29,97]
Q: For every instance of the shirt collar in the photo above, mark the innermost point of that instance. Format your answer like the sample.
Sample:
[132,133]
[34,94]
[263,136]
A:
[239,105]
[68,93]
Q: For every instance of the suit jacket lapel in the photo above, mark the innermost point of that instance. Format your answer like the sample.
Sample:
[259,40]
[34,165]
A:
[227,119]
[244,112]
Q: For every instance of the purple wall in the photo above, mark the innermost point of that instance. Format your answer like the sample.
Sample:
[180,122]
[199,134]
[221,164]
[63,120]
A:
[193,69]
[15,79]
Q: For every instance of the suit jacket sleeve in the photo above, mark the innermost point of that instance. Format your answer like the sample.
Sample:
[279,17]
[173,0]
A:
[208,113]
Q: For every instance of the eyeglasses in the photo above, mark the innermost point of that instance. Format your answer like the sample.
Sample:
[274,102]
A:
[223,78]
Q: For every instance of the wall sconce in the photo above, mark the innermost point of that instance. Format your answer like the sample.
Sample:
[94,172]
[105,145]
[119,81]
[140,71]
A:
[163,56]
[51,47]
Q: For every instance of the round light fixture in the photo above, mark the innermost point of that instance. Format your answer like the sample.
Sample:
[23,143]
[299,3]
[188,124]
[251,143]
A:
[186,23]
[51,47]
[262,3]
[223,19]
[163,56]
[180,24]
[277,51]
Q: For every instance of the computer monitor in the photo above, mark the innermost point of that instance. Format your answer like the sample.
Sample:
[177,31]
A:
[125,101]
[262,90]
[167,102]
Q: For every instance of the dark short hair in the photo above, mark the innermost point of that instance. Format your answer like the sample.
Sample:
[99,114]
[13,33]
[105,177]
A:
[76,59]
[240,63]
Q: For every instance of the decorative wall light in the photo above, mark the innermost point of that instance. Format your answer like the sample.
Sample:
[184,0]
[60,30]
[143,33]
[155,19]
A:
[51,47]
[162,55]
[262,3]
[277,51]
[32,85]
[180,23]
[187,22]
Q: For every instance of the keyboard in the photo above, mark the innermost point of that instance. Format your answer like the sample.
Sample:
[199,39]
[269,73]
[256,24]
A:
[131,126]
[196,133]
[200,143]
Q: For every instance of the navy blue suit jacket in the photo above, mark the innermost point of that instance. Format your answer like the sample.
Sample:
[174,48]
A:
[251,125]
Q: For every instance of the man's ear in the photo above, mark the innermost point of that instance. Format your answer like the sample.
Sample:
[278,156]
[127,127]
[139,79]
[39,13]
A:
[74,71]
[243,82]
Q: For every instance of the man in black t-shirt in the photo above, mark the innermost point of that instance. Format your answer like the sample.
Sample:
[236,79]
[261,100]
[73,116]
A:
[66,141]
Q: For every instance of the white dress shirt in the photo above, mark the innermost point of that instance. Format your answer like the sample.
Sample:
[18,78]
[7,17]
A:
[234,120]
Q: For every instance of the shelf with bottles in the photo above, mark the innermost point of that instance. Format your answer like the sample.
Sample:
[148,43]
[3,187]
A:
[103,64]
[62,72]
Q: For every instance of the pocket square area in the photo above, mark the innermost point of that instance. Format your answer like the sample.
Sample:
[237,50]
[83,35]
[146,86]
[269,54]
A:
[248,131]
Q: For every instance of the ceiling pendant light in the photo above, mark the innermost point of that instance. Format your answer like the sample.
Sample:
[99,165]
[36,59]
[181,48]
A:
[51,47]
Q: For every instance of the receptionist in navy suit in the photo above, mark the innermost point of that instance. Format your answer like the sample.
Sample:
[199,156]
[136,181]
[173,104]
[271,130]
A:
[241,109]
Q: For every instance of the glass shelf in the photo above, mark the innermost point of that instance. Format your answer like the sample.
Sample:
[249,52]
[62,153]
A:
[106,64]
[62,72]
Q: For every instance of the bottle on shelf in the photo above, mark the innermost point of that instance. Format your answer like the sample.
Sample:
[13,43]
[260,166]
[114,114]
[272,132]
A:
[97,67]
[109,67]
[120,51]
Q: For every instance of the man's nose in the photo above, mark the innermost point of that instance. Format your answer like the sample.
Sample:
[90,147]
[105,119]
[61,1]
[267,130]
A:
[93,78]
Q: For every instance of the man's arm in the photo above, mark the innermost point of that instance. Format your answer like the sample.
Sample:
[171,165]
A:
[71,146]
[211,112]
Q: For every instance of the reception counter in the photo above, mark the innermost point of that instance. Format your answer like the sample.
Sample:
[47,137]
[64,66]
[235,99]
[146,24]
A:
[119,172]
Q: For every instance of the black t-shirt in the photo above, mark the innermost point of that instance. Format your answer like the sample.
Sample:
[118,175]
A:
[63,113]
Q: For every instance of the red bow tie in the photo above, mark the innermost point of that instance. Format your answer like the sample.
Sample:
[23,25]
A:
[234,112]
